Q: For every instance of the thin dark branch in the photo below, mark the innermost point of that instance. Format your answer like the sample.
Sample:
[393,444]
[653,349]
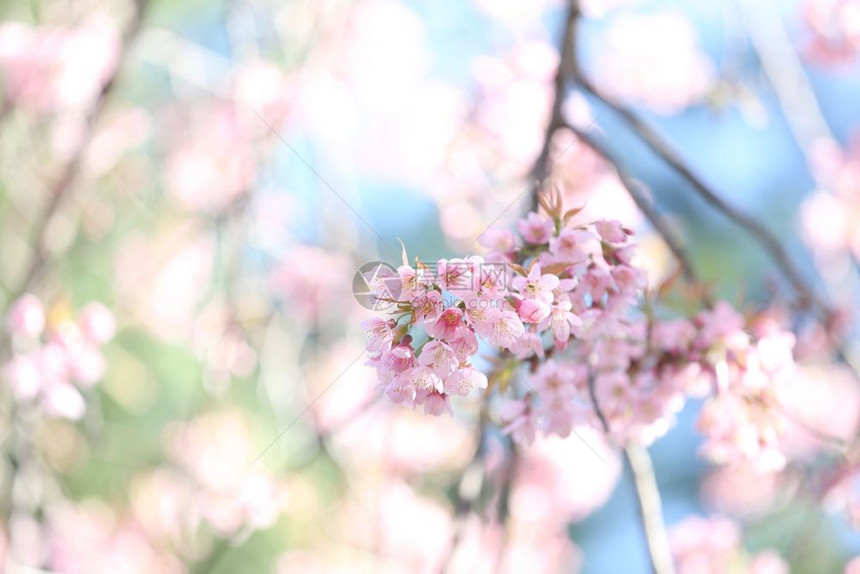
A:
[645,205]
[664,149]
[566,65]
[765,238]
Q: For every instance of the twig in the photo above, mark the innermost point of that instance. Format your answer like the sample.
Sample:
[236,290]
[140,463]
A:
[647,494]
[767,240]
[672,241]
[566,63]
[650,510]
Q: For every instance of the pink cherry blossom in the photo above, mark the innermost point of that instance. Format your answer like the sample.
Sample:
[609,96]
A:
[439,357]
[536,285]
[572,245]
[519,420]
[379,334]
[504,329]
[464,381]
[527,345]
[499,240]
[437,404]
[611,231]
[423,379]
[447,326]
[455,274]
[399,358]
[535,228]
[533,310]
[429,305]
[563,323]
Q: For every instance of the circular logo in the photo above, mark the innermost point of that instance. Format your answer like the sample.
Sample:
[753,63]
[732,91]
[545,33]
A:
[376,286]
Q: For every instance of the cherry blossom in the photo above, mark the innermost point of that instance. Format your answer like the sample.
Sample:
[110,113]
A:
[55,369]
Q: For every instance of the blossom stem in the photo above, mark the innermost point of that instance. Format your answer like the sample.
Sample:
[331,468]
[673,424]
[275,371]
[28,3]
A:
[566,62]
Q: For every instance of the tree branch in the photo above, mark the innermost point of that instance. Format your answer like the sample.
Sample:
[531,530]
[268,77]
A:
[647,495]
[566,65]
[645,205]
[767,240]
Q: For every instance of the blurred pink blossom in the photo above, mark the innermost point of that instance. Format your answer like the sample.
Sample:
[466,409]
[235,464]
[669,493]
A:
[88,538]
[68,360]
[655,60]
[713,546]
[564,480]
[741,490]
[216,450]
[834,27]
[211,162]
[52,69]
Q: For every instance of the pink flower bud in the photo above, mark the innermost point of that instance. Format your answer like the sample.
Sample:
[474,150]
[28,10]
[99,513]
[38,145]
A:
[26,317]
[611,231]
[97,323]
[533,310]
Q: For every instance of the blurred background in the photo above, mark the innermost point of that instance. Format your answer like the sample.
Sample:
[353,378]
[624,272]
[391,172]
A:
[187,189]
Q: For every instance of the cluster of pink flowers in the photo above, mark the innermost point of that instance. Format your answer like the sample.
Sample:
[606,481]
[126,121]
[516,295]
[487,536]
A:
[567,301]
[713,546]
[54,361]
[643,372]
[495,300]
[744,419]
